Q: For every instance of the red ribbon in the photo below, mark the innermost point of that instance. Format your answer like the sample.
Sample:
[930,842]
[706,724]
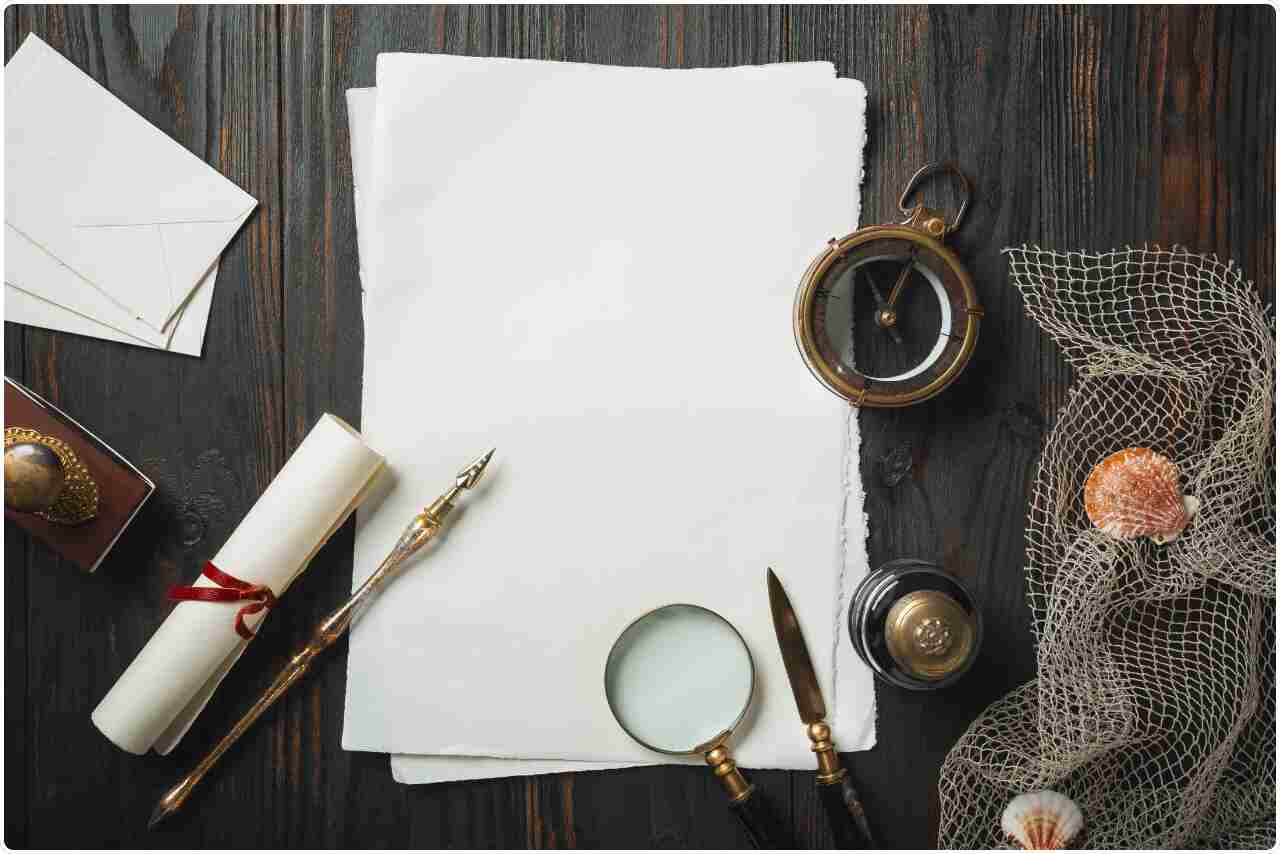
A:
[230,589]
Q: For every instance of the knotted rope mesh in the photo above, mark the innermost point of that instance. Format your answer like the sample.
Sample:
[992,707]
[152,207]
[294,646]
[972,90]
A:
[1154,704]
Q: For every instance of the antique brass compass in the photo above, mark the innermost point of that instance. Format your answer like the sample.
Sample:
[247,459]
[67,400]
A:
[887,316]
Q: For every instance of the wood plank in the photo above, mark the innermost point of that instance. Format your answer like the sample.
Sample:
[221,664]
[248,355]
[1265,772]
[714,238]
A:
[1061,117]
[18,554]
[207,430]
[18,557]
[938,82]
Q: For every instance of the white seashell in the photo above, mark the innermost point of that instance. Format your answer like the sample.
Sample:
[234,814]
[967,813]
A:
[1042,820]
[1136,493]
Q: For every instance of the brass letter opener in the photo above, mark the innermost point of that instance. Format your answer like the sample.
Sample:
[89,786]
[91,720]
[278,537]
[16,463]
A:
[835,789]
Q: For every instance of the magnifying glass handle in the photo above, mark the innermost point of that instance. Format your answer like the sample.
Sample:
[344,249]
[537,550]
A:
[758,820]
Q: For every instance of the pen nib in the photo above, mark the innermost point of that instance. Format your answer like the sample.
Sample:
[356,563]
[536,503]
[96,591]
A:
[159,815]
[470,476]
[171,801]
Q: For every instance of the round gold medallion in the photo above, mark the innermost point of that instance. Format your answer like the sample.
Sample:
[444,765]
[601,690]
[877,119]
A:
[43,476]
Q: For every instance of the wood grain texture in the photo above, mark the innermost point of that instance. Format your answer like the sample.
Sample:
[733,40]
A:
[206,430]
[1082,128]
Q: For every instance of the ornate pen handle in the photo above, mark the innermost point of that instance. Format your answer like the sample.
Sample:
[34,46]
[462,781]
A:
[292,672]
[421,530]
[326,634]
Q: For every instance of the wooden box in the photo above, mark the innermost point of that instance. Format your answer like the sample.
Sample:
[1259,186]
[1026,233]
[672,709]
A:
[122,488]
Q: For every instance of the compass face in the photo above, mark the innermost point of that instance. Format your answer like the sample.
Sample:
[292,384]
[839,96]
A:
[886,317]
[883,342]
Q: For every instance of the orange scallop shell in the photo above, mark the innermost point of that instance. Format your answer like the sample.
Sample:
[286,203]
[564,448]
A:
[1136,493]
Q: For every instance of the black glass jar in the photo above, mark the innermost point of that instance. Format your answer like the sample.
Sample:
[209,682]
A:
[915,625]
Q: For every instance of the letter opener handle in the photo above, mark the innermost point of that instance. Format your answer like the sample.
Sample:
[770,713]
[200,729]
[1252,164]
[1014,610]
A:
[839,797]
[421,530]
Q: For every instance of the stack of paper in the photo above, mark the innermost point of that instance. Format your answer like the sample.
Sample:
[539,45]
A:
[112,229]
[592,268]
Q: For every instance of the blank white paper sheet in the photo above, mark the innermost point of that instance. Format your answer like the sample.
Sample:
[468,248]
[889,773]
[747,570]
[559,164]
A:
[410,768]
[592,269]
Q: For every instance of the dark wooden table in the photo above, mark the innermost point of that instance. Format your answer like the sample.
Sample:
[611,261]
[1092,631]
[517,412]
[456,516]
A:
[1082,129]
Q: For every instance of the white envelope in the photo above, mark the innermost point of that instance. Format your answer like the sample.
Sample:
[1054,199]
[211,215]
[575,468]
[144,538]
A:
[106,193]
[39,291]
[186,333]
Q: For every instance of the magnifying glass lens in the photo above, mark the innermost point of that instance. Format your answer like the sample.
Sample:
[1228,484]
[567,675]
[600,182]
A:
[678,677]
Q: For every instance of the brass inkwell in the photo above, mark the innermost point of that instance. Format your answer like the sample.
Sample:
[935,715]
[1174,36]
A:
[915,625]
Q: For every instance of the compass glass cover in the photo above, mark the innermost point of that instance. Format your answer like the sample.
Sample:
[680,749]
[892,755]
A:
[859,328]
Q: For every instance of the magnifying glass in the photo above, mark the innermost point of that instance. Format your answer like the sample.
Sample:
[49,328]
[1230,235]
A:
[679,680]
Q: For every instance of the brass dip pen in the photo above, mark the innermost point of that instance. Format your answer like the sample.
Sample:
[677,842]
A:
[422,530]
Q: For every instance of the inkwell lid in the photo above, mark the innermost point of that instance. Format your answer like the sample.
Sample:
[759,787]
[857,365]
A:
[929,634]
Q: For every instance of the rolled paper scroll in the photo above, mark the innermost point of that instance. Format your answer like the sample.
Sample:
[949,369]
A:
[155,701]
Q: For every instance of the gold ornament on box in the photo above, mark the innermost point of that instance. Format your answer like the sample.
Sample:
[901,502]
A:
[43,476]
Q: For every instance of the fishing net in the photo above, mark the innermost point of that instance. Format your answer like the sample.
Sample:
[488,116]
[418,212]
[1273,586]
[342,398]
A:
[1154,705]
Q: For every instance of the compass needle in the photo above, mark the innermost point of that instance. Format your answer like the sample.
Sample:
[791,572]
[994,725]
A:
[886,316]
[901,283]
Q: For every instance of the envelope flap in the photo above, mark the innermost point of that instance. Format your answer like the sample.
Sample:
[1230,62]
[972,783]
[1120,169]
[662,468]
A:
[166,197]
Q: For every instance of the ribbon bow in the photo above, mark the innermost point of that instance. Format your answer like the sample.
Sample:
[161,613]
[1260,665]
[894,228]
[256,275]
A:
[229,589]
